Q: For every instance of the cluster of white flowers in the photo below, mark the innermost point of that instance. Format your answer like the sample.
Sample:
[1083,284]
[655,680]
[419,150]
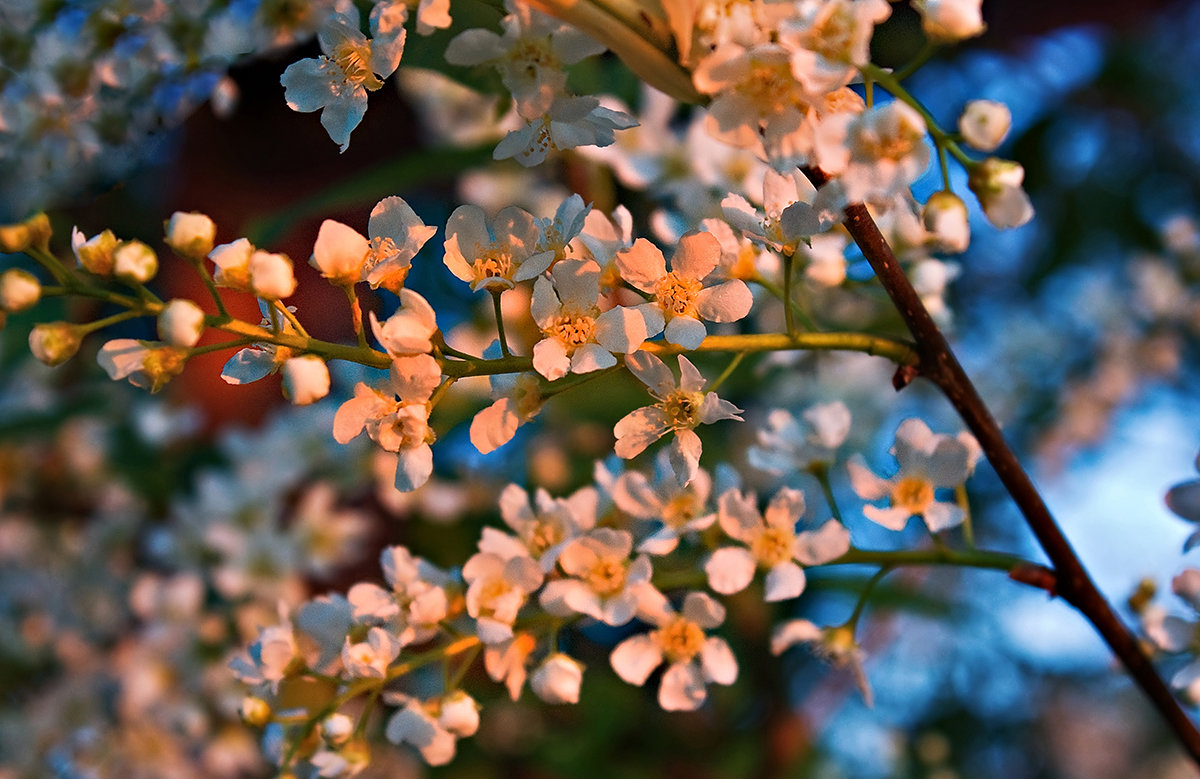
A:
[594,555]
[576,296]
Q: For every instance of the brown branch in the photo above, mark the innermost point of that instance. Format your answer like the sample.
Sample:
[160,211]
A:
[1071,580]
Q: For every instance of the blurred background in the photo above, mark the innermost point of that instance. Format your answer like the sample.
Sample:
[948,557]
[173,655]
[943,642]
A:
[1079,328]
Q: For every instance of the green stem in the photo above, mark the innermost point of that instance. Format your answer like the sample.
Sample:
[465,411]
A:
[60,272]
[821,472]
[966,558]
[496,293]
[209,284]
[940,137]
[927,51]
[278,305]
[797,310]
[124,316]
[789,316]
[960,495]
[725,374]
[852,623]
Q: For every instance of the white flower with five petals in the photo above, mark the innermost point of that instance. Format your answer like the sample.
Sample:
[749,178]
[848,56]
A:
[681,407]
[772,543]
[694,659]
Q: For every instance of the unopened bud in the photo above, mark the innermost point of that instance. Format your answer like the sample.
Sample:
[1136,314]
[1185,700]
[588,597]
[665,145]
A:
[558,679]
[34,231]
[55,342]
[984,124]
[134,261]
[459,714]
[337,728]
[19,290]
[948,21]
[181,323]
[255,711]
[95,254]
[190,234]
[271,275]
[997,184]
[305,379]
[945,217]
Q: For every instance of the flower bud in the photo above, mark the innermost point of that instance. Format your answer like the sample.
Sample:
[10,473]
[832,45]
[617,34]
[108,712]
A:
[945,217]
[459,714]
[181,323]
[337,728]
[95,254]
[34,231]
[271,275]
[997,184]
[19,290]
[55,342]
[134,261]
[233,264]
[305,379]
[190,234]
[984,124]
[948,21]
[557,679]
[255,711]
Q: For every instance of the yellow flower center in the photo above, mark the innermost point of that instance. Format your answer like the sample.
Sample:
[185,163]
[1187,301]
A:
[774,545]
[572,330]
[492,591]
[771,88]
[493,262]
[681,509]
[682,409]
[677,295]
[833,36]
[530,57]
[913,494]
[545,534]
[680,640]
[606,577]
[352,57]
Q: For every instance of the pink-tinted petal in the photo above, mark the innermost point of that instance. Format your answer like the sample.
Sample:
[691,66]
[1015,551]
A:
[726,302]
[652,372]
[682,688]
[684,456]
[785,509]
[718,662]
[686,332]
[702,609]
[941,515]
[550,358]
[621,330]
[413,467]
[494,426]
[866,484]
[891,518]
[792,632]
[784,581]
[577,282]
[828,542]
[642,265]
[697,255]
[730,570]
[638,429]
[635,658]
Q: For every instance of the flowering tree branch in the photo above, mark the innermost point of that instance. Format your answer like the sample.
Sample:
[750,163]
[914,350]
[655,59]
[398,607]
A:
[938,364]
